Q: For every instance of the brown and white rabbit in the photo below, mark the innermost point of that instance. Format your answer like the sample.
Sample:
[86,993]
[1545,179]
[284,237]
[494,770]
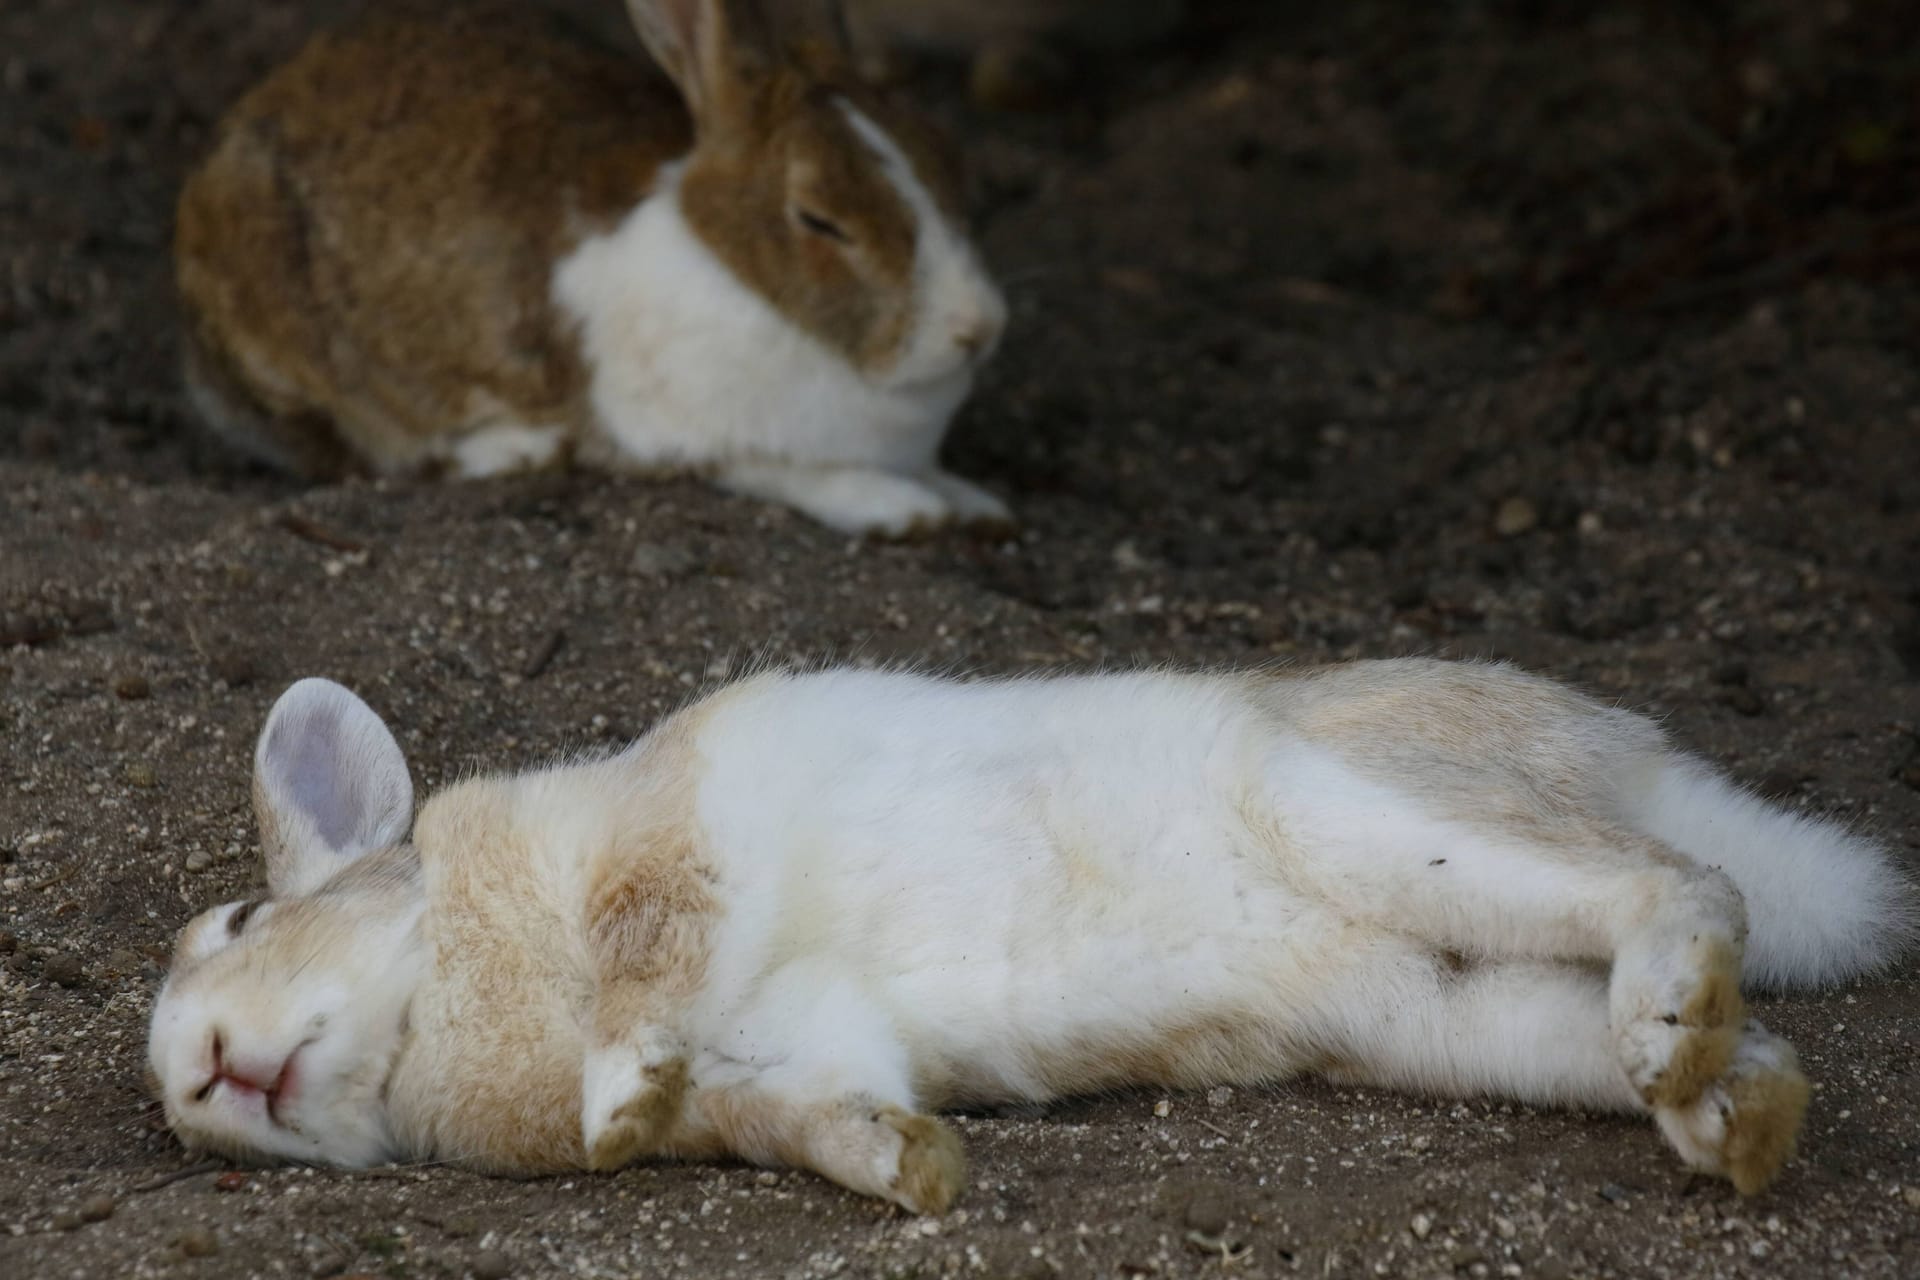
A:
[801,915]
[462,239]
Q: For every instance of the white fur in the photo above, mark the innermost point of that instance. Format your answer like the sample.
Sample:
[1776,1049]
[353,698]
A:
[333,773]
[1822,903]
[690,367]
[956,300]
[504,448]
[932,892]
[339,1019]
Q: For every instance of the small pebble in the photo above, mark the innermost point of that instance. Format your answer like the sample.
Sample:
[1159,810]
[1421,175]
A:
[124,963]
[654,560]
[1422,1226]
[1163,1108]
[197,1242]
[1506,1228]
[1219,1096]
[1613,1193]
[1912,1196]
[232,1180]
[233,667]
[96,1208]
[1208,1213]
[1466,1256]
[767,1178]
[67,1220]
[198,860]
[491,1264]
[63,969]
[1515,516]
[141,774]
[132,688]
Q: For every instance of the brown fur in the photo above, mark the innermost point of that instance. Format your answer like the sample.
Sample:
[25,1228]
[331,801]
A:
[838,1139]
[1714,1013]
[370,242]
[1766,1114]
[773,142]
[650,898]
[933,1166]
[644,1123]
[365,258]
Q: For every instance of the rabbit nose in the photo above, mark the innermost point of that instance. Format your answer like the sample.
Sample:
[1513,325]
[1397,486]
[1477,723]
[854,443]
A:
[974,334]
[247,1071]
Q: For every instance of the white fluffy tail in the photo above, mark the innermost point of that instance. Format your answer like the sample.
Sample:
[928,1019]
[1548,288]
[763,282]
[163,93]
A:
[1822,904]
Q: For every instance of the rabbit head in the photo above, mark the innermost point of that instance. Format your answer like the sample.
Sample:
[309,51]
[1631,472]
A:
[282,1017]
[825,196]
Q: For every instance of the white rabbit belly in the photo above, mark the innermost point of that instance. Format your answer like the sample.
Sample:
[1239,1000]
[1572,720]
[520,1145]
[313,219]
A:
[1017,890]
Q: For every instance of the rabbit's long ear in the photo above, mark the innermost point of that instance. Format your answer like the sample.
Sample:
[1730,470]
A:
[329,785]
[714,50]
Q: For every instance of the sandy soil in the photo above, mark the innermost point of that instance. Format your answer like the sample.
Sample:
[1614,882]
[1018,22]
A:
[1580,335]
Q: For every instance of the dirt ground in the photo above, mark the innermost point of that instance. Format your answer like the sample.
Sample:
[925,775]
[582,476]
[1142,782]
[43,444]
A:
[1578,334]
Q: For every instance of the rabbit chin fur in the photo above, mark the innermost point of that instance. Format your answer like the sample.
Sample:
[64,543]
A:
[802,912]
[692,367]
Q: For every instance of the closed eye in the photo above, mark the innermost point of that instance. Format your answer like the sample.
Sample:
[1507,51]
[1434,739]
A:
[238,920]
[821,226]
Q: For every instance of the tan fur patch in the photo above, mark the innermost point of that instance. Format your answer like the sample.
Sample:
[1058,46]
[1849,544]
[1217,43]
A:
[1718,1002]
[642,1125]
[835,1138]
[1765,1124]
[1714,1013]
[755,1127]
[492,1074]
[650,901]
[933,1165]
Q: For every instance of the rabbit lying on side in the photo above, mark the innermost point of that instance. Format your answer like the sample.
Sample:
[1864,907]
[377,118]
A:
[464,240]
[801,915]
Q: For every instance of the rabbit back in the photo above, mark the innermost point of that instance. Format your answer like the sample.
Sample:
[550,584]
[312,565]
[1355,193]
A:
[365,257]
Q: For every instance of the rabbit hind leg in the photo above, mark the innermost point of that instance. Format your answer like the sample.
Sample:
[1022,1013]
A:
[1562,887]
[1541,1032]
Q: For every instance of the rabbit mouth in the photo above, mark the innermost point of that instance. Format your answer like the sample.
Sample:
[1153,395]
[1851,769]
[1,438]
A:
[276,1091]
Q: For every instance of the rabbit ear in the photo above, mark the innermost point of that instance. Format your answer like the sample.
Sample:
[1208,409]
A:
[329,785]
[820,37]
[714,50]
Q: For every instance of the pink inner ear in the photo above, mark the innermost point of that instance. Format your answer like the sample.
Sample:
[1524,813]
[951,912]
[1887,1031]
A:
[310,772]
[329,768]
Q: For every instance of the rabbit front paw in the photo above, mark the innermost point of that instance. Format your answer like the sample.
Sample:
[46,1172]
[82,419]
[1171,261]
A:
[631,1096]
